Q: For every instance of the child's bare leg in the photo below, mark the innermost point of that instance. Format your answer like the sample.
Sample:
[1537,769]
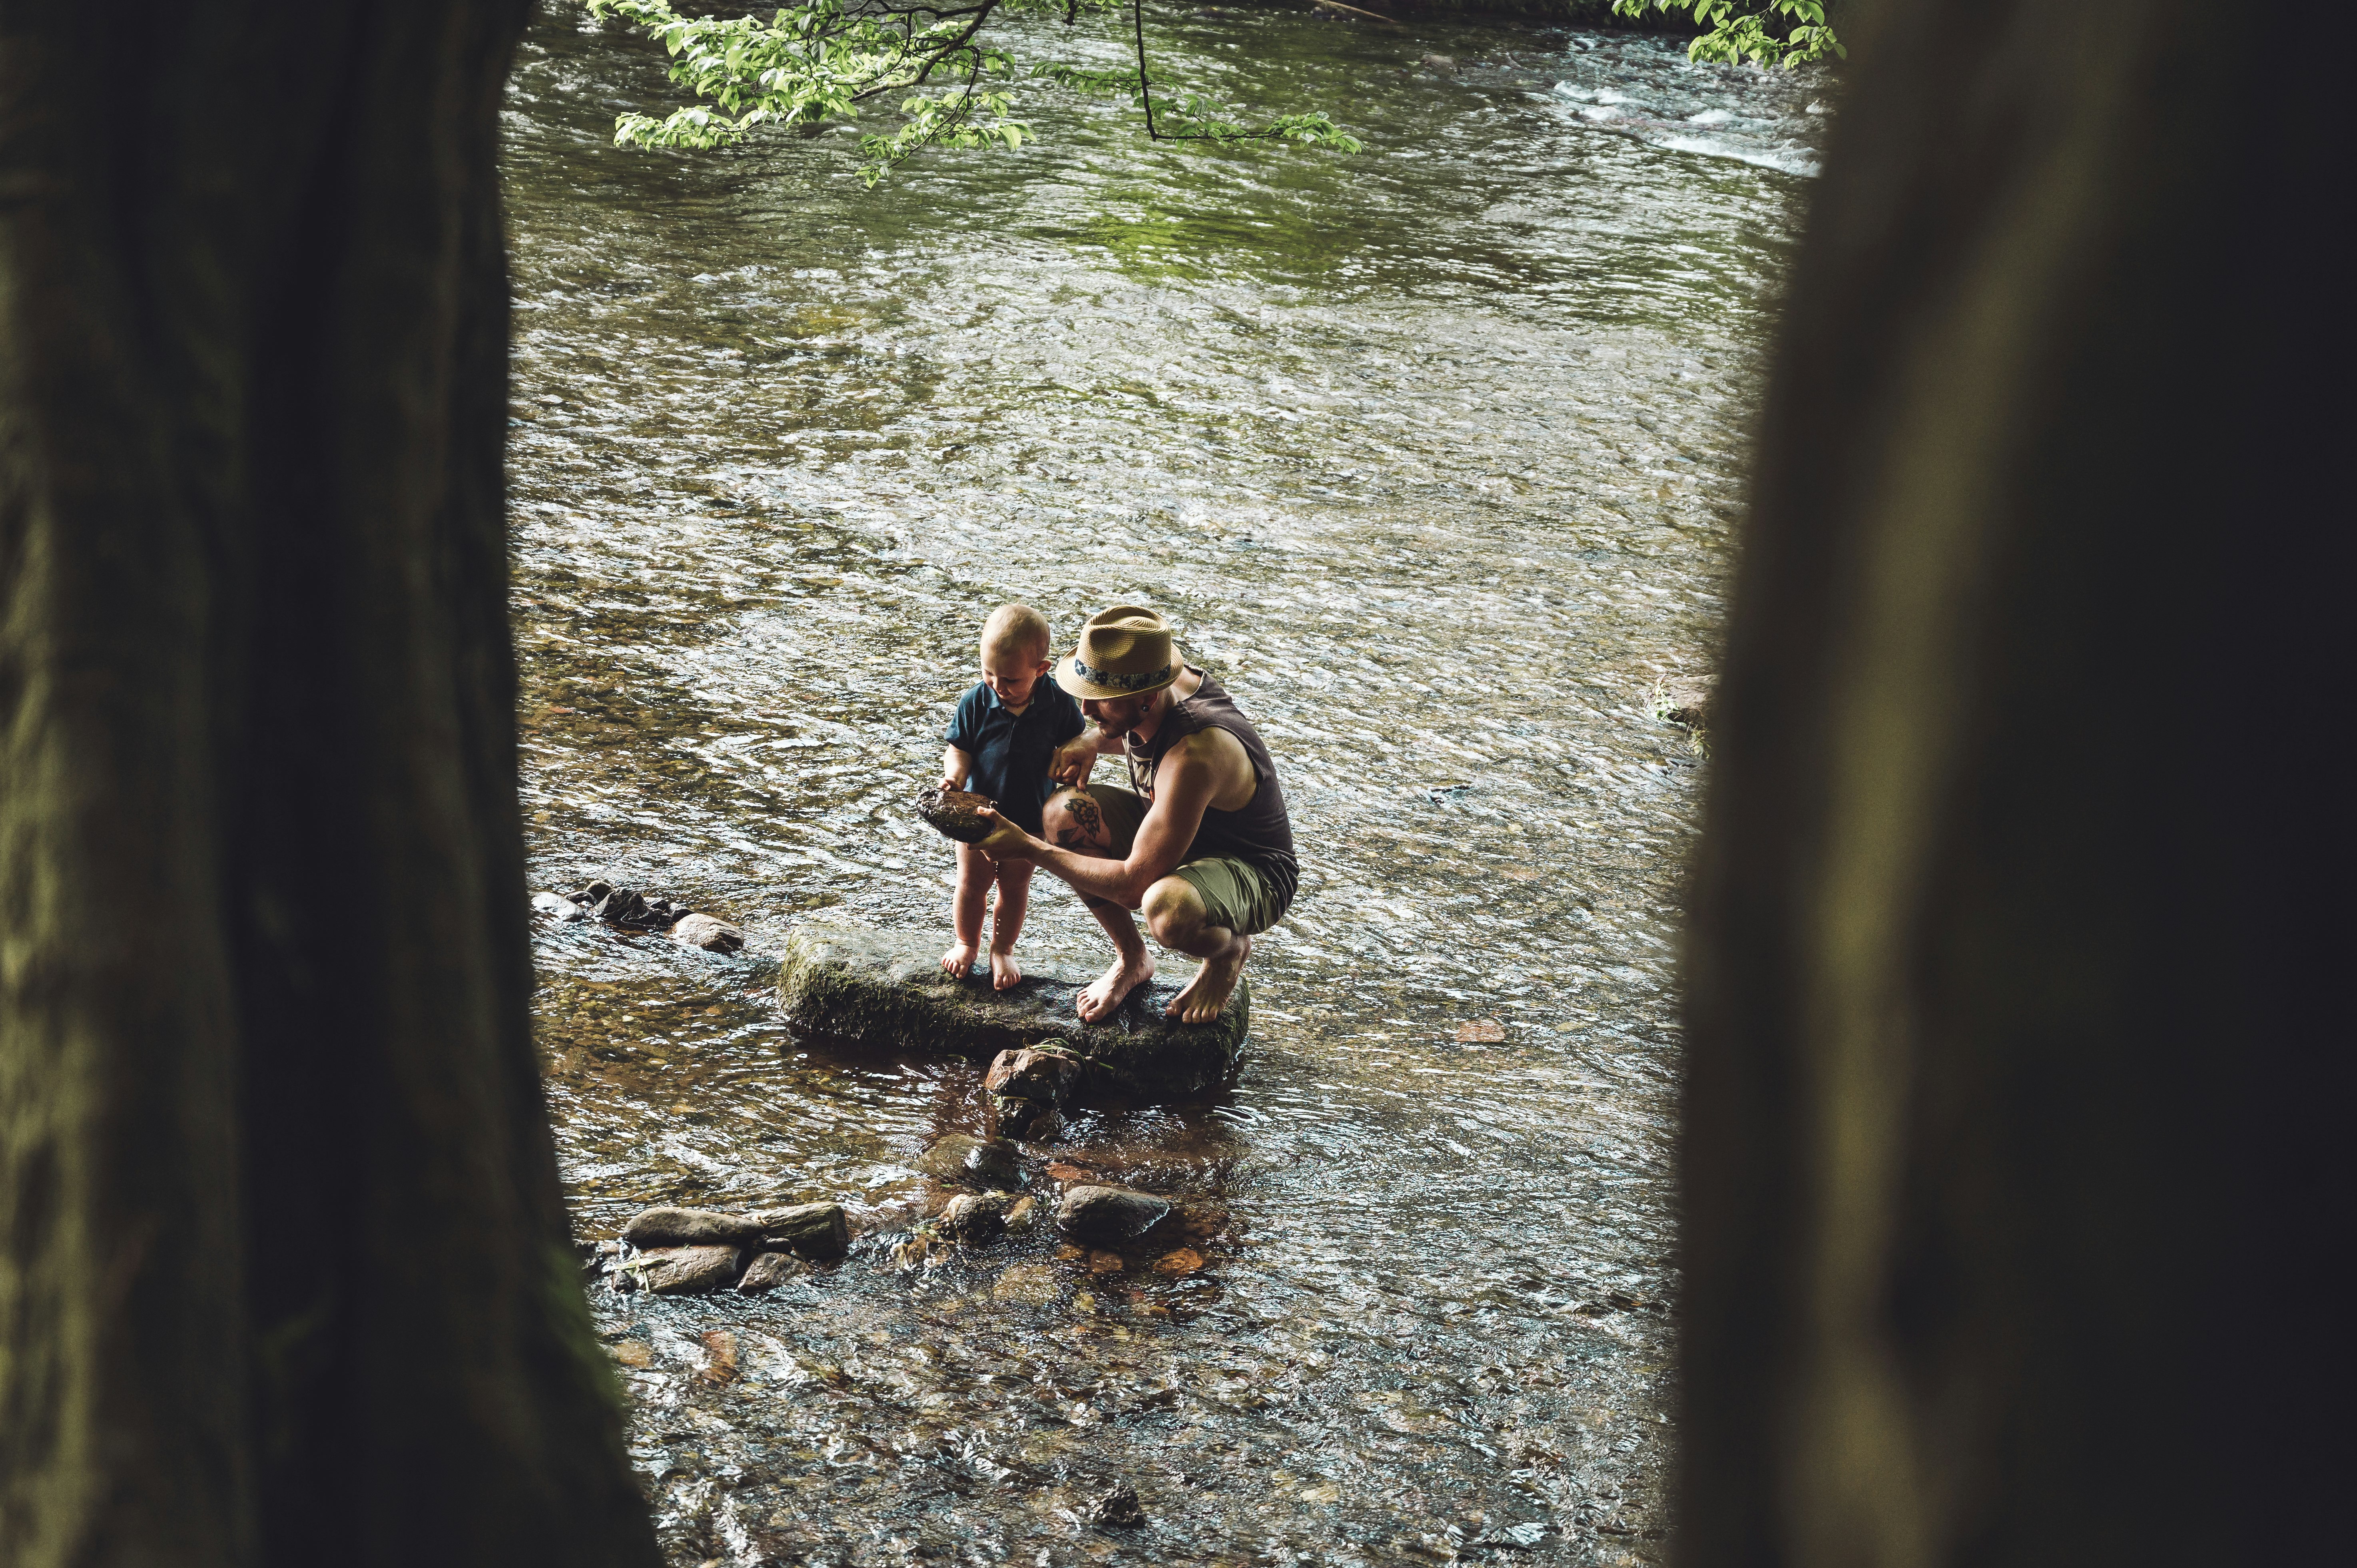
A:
[973,879]
[1014,901]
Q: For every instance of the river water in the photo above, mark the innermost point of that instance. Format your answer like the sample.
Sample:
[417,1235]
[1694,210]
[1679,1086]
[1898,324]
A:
[1431,454]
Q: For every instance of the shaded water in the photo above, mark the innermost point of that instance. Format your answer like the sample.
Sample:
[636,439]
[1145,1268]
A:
[1431,454]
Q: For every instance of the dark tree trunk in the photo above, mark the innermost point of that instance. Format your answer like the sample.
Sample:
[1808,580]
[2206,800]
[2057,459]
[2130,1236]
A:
[2016,1138]
[283,1272]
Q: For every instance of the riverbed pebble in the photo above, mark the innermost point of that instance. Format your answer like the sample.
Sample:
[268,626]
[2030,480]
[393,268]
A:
[1109,1215]
[708,932]
[972,1162]
[769,1271]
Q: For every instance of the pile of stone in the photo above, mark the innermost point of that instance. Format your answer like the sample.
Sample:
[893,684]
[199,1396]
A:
[634,911]
[1108,1225]
[691,1252]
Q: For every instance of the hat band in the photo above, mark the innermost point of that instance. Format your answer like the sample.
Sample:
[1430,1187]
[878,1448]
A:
[1120,683]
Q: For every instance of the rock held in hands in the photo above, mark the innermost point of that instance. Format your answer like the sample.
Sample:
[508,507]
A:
[957,813]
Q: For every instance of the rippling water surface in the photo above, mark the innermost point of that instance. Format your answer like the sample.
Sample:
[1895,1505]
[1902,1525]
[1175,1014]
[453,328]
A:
[1431,454]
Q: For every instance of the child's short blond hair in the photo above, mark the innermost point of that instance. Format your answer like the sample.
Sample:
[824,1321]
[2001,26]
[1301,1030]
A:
[1017,629]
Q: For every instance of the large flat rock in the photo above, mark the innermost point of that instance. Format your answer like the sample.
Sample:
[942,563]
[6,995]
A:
[885,989]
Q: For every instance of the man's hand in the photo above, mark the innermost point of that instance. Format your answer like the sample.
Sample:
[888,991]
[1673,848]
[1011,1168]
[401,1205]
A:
[952,782]
[1074,758]
[1006,841]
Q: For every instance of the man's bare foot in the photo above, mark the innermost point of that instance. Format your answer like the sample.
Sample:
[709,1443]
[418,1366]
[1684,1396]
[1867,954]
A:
[1125,976]
[1005,972]
[1207,995]
[958,963]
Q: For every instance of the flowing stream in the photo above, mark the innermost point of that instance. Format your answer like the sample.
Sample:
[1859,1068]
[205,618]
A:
[1432,454]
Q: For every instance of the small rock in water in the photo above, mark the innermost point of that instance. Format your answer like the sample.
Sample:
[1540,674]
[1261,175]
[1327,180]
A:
[811,1229]
[689,1227]
[1106,1262]
[557,907]
[769,1271]
[1032,1074]
[1180,1260]
[1115,1510]
[720,1357]
[1685,702]
[634,1353]
[956,813]
[710,934]
[1031,1121]
[1105,1215]
[687,1270]
[976,1217]
[1026,1285]
[1065,1170]
[973,1162]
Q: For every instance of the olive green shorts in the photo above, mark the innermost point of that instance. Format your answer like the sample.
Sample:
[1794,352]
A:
[1235,893]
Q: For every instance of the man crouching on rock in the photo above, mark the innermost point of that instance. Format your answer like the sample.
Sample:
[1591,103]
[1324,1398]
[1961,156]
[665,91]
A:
[1199,840]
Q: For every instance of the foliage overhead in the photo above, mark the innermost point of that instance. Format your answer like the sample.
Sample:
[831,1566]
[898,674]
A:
[1736,30]
[821,59]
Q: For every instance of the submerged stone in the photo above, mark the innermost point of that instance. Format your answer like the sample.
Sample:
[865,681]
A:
[886,991]
[970,1161]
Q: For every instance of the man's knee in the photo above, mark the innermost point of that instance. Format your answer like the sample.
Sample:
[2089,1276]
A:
[1071,819]
[1174,909]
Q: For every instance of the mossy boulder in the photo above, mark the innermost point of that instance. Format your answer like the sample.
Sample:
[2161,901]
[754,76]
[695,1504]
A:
[886,991]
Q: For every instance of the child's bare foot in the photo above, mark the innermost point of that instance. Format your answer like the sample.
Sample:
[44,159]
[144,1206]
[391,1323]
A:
[1125,976]
[1004,972]
[958,963]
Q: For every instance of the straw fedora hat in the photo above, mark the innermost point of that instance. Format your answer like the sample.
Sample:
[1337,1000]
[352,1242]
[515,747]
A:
[1125,652]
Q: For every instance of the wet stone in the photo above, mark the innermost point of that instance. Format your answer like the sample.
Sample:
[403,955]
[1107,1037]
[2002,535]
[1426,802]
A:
[1032,1074]
[710,934]
[769,1271]
[811,1229]
[972,1162]
[1107,1216]
[1026,1284]
[690,1228]
[976,1217]
[1029,1120]
[558,908]
[1117,1509]
[956,813]
[886,991]
[686,1271]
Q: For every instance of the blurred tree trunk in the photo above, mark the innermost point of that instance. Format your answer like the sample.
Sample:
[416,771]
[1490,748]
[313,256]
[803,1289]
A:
[2016,1139]
[283,1274]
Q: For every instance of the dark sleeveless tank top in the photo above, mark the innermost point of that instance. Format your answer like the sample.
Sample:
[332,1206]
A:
[1259,835]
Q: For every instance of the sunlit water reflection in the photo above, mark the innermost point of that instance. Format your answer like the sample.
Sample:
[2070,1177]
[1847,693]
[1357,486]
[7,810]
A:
[1432,455]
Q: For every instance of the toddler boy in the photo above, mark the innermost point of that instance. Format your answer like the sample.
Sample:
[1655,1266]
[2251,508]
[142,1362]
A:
[1001,743]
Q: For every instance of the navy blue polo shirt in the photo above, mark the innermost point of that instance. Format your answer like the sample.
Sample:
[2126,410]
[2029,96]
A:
[1011,753]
